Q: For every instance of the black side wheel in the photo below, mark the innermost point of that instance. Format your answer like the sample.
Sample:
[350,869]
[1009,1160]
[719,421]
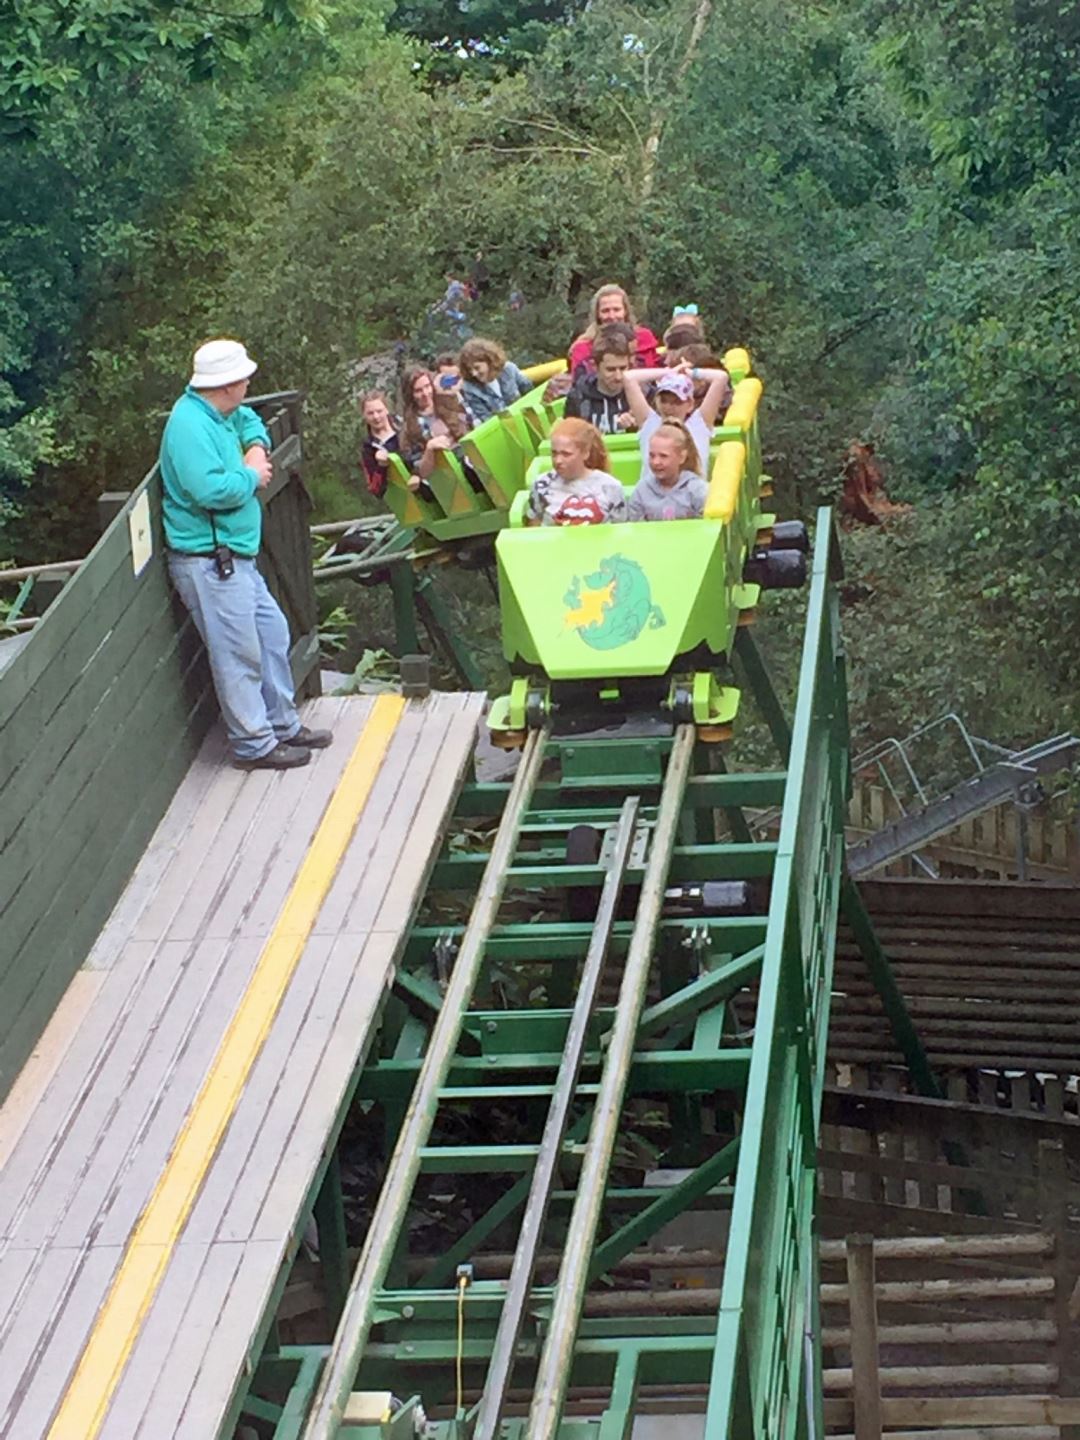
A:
[582,848]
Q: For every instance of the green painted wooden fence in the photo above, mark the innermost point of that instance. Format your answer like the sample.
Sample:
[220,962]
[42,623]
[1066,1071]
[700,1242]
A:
[101,713]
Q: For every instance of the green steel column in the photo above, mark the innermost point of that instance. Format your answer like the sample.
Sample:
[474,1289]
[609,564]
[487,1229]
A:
[877,963]
[445,632]
[403,590]
[333,1248]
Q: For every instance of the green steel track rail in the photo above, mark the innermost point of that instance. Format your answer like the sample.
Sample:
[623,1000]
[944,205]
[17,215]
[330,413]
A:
[718,1025]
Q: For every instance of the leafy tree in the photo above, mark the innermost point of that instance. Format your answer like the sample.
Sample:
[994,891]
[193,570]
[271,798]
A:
[493,34]
[53,48]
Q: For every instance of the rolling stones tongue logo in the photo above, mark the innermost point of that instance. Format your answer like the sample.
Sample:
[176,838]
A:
[579,510]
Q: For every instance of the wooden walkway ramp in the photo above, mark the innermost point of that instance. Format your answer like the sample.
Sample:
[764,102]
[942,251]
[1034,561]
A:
[163,1146]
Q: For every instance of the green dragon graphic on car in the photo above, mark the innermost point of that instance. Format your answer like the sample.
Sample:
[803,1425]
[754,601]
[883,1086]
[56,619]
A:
[614,606]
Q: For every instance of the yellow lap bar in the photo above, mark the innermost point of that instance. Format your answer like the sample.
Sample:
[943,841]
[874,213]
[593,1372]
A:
[150,1247]
[537,373]
[727,478]
[744,403]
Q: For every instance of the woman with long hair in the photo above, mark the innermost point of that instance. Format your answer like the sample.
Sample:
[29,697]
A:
[380,440]
[611,305]
[491,382]
[432,420]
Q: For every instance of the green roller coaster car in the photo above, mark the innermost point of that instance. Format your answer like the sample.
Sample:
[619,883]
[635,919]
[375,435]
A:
[629,614]
[498,454]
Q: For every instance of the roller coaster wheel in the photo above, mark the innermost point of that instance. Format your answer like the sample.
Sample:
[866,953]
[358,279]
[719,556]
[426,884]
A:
[682,705]
[582,848]
[776,569]
[536,710]
[789,535]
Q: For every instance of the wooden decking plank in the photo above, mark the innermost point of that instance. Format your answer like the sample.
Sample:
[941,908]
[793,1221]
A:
[63,1202]
[368,865]
[187,808]
[398,904]
[273,1082]
[44,1380]
[15,1267]
[276,1087]
[219,1376]
[24,1331]
[25,1096]
[74,1078]
[372,975]
[78,1093]
[240,810]
[339,1059]
[189,898]
[266,871]
[218,810]
[280,1155]
[154,1151]
[177,1089]
[190,1339]
[154,1348]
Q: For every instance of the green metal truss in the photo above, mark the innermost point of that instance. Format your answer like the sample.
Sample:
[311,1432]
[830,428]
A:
[719,1025]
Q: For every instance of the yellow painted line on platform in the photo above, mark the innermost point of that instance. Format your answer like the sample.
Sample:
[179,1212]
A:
[116,1329]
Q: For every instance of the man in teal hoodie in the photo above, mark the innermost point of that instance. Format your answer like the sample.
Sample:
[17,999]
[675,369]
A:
[215,457]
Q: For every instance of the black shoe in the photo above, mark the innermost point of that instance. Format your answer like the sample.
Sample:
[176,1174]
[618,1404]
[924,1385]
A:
[282,757]
[310,739]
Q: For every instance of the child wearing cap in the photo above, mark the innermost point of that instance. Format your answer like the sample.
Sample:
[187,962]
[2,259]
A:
[674,400]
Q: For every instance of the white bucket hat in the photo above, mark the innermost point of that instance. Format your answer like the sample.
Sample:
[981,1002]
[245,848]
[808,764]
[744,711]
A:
[221,362]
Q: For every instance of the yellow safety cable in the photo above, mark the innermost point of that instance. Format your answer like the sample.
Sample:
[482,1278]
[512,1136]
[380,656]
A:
[463,1283]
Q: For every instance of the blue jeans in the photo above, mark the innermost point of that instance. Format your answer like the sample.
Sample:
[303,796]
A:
[247,639]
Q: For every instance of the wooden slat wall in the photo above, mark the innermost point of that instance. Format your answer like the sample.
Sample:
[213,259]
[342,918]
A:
[101,713]
[990,971]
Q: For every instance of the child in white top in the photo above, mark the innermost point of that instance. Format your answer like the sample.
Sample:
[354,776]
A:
[674,400]
[577,490]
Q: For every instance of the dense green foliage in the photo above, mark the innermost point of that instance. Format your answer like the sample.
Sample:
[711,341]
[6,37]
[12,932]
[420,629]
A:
[880,200]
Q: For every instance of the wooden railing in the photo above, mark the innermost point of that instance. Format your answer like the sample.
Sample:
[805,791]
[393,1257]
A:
[946,1331]
[101,713]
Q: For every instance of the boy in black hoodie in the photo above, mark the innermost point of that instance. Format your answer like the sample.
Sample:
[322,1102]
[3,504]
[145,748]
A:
[601,398]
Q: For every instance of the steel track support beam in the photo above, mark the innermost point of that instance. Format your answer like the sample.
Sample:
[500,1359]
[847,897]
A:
[763,690]
[556,1359]
[655,1216]
[329,1211]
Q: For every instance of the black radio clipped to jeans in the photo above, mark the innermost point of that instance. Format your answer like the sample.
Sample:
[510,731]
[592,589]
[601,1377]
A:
[223,556]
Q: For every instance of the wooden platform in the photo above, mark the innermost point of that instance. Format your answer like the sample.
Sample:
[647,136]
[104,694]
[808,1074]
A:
[161,1146]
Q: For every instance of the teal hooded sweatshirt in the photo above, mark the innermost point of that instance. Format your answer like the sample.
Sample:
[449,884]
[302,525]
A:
[203,471]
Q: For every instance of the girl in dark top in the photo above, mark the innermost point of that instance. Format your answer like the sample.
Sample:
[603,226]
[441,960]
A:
[380,440]
[432,421]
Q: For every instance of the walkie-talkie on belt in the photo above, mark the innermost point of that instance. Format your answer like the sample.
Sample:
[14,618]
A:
[223,556]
